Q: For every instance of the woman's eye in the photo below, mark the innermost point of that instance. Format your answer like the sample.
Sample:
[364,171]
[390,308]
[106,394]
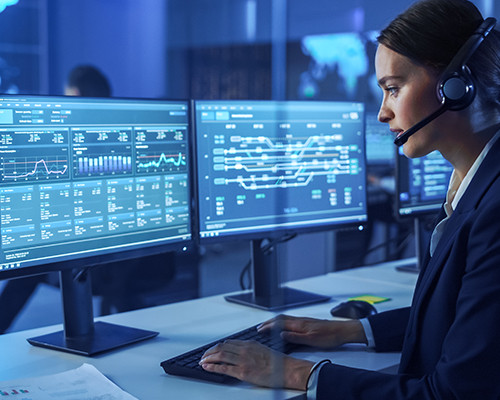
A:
[392,90]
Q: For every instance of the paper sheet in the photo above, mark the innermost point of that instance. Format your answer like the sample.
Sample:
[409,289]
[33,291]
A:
[83,383]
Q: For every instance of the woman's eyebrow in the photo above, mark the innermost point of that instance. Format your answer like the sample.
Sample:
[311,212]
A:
[383,80]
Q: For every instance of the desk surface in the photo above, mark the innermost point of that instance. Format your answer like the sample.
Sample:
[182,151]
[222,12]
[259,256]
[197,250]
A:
[186,325]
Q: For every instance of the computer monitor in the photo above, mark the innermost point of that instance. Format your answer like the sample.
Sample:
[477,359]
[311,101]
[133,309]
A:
[421,186]
[379,143]
[84,182]
[267,170]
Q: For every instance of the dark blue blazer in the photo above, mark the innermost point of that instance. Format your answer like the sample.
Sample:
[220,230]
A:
[450,337]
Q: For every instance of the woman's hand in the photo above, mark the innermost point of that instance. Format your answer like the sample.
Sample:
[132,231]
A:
[316,332]
[253,362]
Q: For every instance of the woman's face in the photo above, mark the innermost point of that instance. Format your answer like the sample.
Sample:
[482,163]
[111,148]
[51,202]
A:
[409,96]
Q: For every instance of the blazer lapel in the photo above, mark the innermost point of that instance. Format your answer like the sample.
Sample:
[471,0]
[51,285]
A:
[438,260]
[486,174]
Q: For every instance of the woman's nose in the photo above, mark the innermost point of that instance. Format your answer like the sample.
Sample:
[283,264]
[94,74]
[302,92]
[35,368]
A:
[385,114]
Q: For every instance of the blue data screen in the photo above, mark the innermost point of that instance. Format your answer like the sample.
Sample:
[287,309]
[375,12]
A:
[265,166]
[86,176]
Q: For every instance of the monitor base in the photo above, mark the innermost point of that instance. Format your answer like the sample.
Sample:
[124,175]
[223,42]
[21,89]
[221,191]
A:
[409,268]
[284,298]
[105,337]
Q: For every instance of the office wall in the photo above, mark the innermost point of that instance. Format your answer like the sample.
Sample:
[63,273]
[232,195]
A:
[211,41]
[133,41]
[23,47]
[126,39]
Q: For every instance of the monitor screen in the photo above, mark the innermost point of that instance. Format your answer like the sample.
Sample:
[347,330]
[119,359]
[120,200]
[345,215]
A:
[267,167]
[267,170]
[87,181]
[421,183]
[379,142]
[87,177]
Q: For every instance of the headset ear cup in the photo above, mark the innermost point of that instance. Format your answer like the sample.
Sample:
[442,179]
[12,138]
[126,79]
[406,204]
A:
[457,90]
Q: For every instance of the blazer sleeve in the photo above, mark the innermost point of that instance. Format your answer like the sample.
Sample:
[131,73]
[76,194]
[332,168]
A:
[389,329]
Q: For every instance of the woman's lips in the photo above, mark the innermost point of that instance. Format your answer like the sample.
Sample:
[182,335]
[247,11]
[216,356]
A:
[398,132]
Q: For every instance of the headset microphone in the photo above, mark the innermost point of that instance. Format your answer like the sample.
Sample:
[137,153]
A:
[403,137]
[455,89]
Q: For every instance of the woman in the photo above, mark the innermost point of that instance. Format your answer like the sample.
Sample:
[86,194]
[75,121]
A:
[450,336]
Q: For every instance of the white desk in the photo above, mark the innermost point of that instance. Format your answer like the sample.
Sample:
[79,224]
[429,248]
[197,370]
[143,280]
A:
[186,325]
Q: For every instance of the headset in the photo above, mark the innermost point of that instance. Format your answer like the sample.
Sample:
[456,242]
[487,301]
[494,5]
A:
[455,89]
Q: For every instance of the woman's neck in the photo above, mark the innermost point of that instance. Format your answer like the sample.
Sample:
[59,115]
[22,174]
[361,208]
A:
[467,147]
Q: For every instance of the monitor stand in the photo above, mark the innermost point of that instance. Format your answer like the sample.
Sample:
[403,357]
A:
[81,335]
[267,292]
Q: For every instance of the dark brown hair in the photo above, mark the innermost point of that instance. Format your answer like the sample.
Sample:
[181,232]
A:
[431,32]
[90,81]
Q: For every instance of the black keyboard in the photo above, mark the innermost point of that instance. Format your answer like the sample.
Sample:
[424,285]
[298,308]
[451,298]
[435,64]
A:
[187,365]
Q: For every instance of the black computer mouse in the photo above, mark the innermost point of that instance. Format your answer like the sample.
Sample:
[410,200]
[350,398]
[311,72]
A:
[354,309]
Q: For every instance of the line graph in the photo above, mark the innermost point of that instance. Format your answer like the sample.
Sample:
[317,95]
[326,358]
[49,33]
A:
[33,168]
[160,150]
[151,162]
[261,163]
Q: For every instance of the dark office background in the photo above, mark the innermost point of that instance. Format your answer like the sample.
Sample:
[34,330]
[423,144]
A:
[222,49]
[181,48]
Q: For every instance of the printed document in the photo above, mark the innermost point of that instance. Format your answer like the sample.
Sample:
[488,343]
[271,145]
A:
[83,383]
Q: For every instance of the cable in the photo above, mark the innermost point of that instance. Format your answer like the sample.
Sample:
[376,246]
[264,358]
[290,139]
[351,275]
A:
[380,245]
[266,249]
[245,271]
